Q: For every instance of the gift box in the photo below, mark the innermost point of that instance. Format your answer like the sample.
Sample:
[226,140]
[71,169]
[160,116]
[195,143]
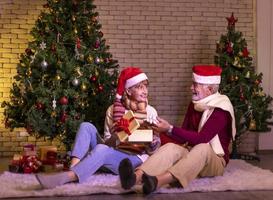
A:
[128,124]
[44,155]
[29,150]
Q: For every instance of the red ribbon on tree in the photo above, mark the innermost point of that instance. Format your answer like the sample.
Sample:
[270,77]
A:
[123,124]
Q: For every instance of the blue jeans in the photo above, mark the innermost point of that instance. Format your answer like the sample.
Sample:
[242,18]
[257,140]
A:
[93,155]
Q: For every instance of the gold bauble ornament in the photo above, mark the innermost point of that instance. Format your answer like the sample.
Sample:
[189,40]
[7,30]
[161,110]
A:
[75,31]
[73,18]
[252,125]
[83,87]
[58,77]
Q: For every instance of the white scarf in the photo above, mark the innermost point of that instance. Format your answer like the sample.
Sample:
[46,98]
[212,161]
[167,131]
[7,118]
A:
[207,106]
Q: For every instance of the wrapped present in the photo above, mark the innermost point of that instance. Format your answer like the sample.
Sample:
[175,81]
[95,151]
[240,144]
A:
[44,152]
[29,150]
[128,124]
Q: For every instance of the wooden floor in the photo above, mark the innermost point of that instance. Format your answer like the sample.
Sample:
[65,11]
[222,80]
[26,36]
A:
[266,162]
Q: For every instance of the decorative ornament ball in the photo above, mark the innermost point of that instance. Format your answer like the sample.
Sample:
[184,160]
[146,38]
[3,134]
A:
[75,31]
[97,44]
[44,65]
[63,100]
[83,87]
[73,18]
[58,77]
[75,82]
[78,117]
[90,59]
[28,51]
[236,78]
[93,78]
[82,104]
[81,57]
[97,60]
[252,125]
[257,82]
[100,34]
[39,106]
[100,88]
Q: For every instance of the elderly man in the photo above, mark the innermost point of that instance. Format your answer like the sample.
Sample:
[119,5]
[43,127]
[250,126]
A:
[89,154]
[205,135]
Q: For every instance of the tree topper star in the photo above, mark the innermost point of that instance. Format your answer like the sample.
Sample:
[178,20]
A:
[231,20]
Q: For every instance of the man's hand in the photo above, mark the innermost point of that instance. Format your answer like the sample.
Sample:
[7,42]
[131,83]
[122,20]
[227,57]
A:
[161,126]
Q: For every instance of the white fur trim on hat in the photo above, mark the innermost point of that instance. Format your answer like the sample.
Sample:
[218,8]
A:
[206,79]
[136,79]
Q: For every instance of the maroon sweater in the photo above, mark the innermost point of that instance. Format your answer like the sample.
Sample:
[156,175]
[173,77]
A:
[218,123]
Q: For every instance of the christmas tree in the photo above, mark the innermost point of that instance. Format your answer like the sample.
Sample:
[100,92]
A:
[66,74]
[241,83]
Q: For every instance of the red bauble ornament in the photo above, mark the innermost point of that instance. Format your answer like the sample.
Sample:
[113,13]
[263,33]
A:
[229,48]
[257,81]
[97,44]
[39,106]
[63,100]
[93,79]
[28,51]
[77,117]
[100,88]
[53,48]
[63,117]
[100,34]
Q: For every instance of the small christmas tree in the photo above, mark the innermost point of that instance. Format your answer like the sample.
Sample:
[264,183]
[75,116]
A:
[66,74]
[241,83]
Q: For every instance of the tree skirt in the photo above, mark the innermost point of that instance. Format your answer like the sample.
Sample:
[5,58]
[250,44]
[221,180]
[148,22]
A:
[239,176]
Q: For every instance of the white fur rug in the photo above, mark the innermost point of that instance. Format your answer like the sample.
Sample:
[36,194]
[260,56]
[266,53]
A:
[238,176]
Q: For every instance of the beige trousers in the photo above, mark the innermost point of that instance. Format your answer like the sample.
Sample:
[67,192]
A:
[185,165]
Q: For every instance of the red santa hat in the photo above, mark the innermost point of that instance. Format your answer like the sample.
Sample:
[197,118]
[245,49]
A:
[129,77]
[206,74]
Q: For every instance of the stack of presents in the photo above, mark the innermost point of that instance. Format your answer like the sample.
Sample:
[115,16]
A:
[30,160]
[47,159]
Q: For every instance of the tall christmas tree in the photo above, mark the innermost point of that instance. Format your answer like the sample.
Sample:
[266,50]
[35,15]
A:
[66,74]
[241,83]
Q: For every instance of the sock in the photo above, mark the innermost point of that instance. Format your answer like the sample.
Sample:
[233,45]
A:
[126,174]
[149,183]
[54,180]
